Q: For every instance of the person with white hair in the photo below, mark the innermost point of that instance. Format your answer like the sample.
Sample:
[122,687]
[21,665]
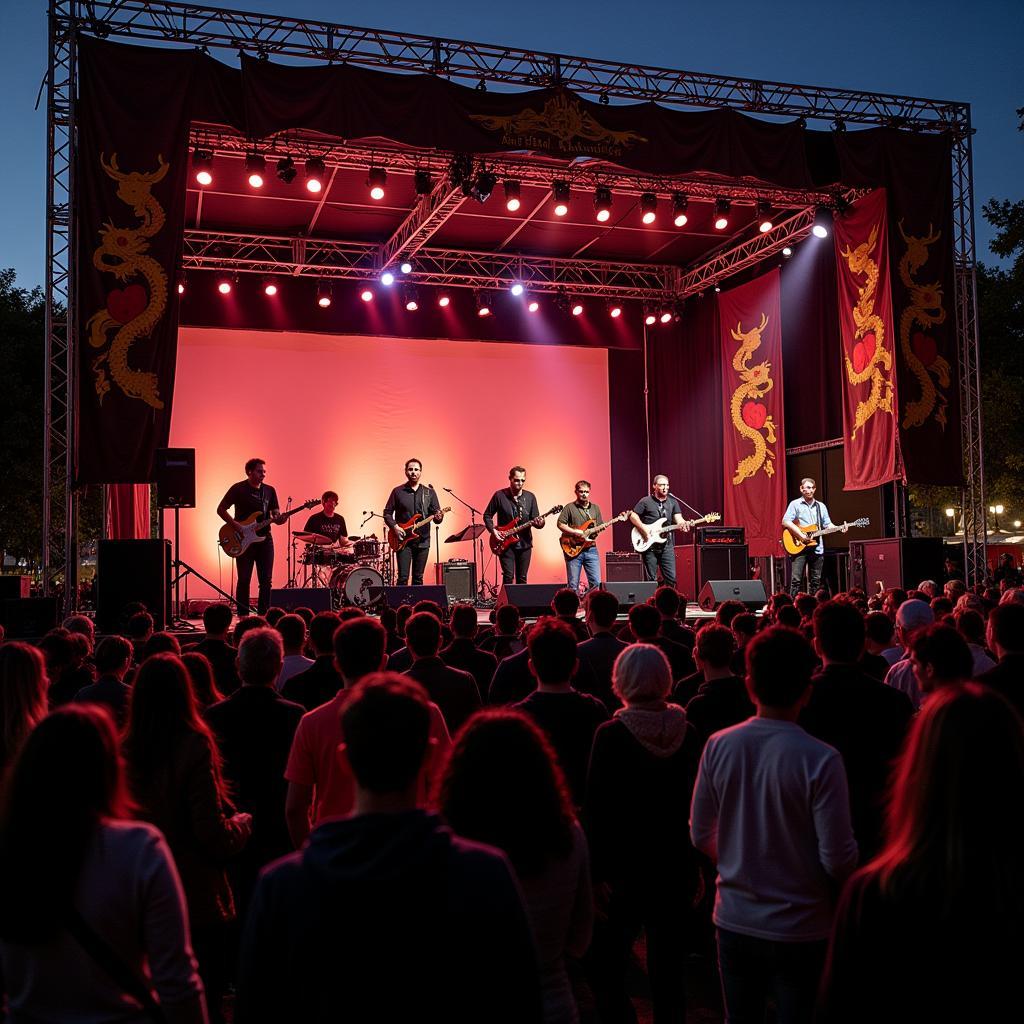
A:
[911,616]
[929,587]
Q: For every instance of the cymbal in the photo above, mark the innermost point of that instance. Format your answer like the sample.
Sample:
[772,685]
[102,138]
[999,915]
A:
[312,538]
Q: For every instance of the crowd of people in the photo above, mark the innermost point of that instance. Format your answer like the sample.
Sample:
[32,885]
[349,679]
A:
[337,816]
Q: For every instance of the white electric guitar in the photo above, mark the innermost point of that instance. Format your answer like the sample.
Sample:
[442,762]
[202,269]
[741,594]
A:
[657,532]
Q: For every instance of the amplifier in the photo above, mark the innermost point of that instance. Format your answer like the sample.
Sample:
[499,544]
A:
[623,566]
[720,535]
[458,577]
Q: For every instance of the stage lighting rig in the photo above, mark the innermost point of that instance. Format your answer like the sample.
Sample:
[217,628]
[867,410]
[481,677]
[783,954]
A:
[764,216]
[405,267]
[202,166]
[602,203]
[649,207]
[512,199]
[533,305]
[410,299]
[324,294]
[366,294]
[722,208]
[315,172]
[387,278]
[483,185]
[614,309]
[650,319]
[286,169]
[460,172]
[444,300]
[269,286]
[423,183]
[577,307]
[483,303]
[560,192]
[517,288]
[680,202]
[255,166]
[376,179]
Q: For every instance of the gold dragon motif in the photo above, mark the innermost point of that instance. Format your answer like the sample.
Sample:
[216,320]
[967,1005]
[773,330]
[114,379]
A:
[122,252]
[868,322]
[926,310]
[757,382]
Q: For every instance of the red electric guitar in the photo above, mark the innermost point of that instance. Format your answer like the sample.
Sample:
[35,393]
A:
[411,527]
[507,535]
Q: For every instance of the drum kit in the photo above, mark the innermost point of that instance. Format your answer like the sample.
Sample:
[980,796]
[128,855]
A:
[353,567]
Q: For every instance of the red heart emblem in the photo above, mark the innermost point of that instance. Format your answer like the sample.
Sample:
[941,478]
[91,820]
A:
[127,304]
[754,414]
[859,358]
[869,347]
[924,347]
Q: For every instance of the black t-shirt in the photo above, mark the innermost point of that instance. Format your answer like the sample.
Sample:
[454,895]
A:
[505,508]
[247,499]
[650,509]
[404,503]
[328,526]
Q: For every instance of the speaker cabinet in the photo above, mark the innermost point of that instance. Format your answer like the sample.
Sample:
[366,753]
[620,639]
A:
[27,618]
[290,598]
[532,599]
[132,570]
[174,472]
[698,563]
[895,562]
[395,597]
[750,592]
[15,586]
[625,566]
[458,578]
[630,593]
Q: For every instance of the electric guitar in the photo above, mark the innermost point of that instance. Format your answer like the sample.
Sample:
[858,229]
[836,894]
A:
[657,532]
[508,534]
[572,545]
[411,527]
[253,529]
[812,532]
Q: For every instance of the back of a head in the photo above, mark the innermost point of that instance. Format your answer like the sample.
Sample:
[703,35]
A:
[641,675]
[744,626]
[57,650]
[839,631]
[81,624]
[162,702]
[321,632]
[161,643]
[565,602]
[879,628]
[23,686]
[552,647]
[463,621]
[432,607]
[602,608]
[667,601]
[806,605]
[970,624]
[423,634]
[645,621]
[1006,624]
[260,657]
[914,615]
[779,666]
[306,613]
[943,649]
[200,673]
[386,724]
[293,631]
[507,619]
[1014,595]
[242,626]
[715,646]
[140,625]
[113,653]
[789,616]
[217,619]
[274,615]
[728,610]
[359,647]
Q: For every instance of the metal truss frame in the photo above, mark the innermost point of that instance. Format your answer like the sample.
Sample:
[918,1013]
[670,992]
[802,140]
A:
[183,24]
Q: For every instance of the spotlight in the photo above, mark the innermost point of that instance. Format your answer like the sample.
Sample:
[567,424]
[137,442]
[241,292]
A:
[269,286]
[256,165]
[409,298]
[787,251]
[649,207]
[614,309]
[224,287]
[366,295]
[533,305]
[444,300]
[323,294]
[375,182]
[181,283]
[577,307]
[679,205]
[665,316]
[512,195]
[603,202]
[202,166]
[483,304]
[423,183]
[483,186]
[517,288]
[315,171]
[286,169]
[560,193]
[819,231]
[405,267]
[718,288]
[764,216]
[387,279]
[561,301]
[650,319]
[722,208]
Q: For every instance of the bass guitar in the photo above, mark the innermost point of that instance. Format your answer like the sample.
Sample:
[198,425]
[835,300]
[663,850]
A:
[657,532]
[812,532]
[411,528]
[507,535]
[573,545]
[253,529]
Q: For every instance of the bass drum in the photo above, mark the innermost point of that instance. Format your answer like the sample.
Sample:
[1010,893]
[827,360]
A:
[358,585]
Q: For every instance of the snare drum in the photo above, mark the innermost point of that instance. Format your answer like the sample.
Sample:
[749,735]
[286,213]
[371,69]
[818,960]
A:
[353,583]
[367,549]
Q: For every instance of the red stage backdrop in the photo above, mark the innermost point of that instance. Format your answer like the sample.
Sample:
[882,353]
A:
[752,403]
[865,319]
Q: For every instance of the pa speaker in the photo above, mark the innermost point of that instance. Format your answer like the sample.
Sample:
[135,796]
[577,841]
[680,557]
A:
[630,593]
[128,571]
[316,598]
[28,617]
[395,597]
[895,562]
[750,592]
[531,599]
[15,586]
[458,579]
[174,472]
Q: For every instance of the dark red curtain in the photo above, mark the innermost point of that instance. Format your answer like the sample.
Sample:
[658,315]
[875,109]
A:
[128,512]
[628,450]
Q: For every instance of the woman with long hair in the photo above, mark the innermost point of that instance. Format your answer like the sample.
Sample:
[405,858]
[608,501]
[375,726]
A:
[92,920]
[933,928]
[174,768]
[204,685]
[502,786]
[23,688]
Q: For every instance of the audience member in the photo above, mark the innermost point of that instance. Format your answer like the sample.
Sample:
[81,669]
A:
[160,642]
[243,625]
[512,680]
[23,705]
[463,653]
[83,625]
[216,647]
[940,657]
[910,617]
[306,614]
[113,659]
[941,607]
[929,588]
[881,651]
[320,682]
[721,698]
[669,603]
[1005,635]
[970,624]
[597,655]
[645,622]
[385,915]
[138,630]
[82,886]
[64,667]
[275,615]
[507,638]
[452,690]
[503,787]
[566,606]
[806,605]
[200,673]
[744,629]
[293,635]
[771,808]
[788,616]
[402,659]
[389,620]
[892,599]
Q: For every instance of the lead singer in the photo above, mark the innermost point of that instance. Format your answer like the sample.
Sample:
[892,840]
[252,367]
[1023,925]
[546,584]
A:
[403,503]
[659,504]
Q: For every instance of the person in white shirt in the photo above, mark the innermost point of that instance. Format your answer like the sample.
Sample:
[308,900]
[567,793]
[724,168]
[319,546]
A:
[911,616]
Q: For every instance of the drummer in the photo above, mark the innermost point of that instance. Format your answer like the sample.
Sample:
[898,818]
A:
[328,525]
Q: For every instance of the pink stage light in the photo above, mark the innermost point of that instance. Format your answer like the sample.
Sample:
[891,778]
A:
[444,300]
[204,177]
[224,287]
[376,179]
[533,305]
[270,288]
[577,308]
[665,317]
[315,171]
[366,295]
[615,312]
[722,208]
[484,310]
[181,288]
[650,319]
[649,206]
[560,192]
[412,305]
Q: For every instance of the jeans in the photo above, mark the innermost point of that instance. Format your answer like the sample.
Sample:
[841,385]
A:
[661,556]
[515,564]
[414,558]
[753,969]
[814,562]
[260,555]
[588,561]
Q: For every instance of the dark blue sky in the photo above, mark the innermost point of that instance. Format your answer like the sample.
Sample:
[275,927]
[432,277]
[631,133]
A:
[945,49]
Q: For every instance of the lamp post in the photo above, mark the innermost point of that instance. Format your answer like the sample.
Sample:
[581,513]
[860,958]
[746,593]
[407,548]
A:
[996,511]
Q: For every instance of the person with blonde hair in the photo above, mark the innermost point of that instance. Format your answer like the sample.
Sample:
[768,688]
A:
[23,687]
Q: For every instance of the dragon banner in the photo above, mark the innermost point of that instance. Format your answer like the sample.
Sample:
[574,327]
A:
[752,399]
[130,191]
[870,454]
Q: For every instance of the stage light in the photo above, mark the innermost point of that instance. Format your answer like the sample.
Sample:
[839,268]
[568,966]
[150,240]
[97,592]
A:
[679,204]
[202,166]
[787,251]
[409,298]
[366,295]
[483,186]
[181,287]
[512,195]
[315,171]
[286,169]
[665,316]
[764,216]
[649,207]
[533,305]
[387,279]
[819,231]
[560,192]
[375,182]
[323,294]
[722,208]
[614,309]
[224,287]
[577,307]
[517,288]
[718,288]
[269,286]
[256,165]
[444,300]
[483,303]
[405,267]
[650,319]
[602,203]
[423,183]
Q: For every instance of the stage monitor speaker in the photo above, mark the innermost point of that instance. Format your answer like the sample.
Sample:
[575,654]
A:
[625,566]
[630,593]
[895,562]
[532,599]
[290,598]
[458,578]
[698,563]
[750,592]
[174,472]
[132,570]
[25,618]
[15,586]
[395,597]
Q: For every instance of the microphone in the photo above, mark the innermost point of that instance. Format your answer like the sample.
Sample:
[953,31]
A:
[448,489]
[365,513]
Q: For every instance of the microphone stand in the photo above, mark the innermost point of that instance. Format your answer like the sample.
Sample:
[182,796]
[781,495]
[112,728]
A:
[387,566]
[699,515]
[481,589]
[291,547]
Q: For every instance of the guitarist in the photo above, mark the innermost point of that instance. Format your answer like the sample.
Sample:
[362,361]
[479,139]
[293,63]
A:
[249,496]
[659,504]
[510,503]
[571,520]
[806,511]
[404,502]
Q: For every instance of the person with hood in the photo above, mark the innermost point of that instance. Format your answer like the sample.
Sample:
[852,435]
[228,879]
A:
[645,870]
[386,915]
